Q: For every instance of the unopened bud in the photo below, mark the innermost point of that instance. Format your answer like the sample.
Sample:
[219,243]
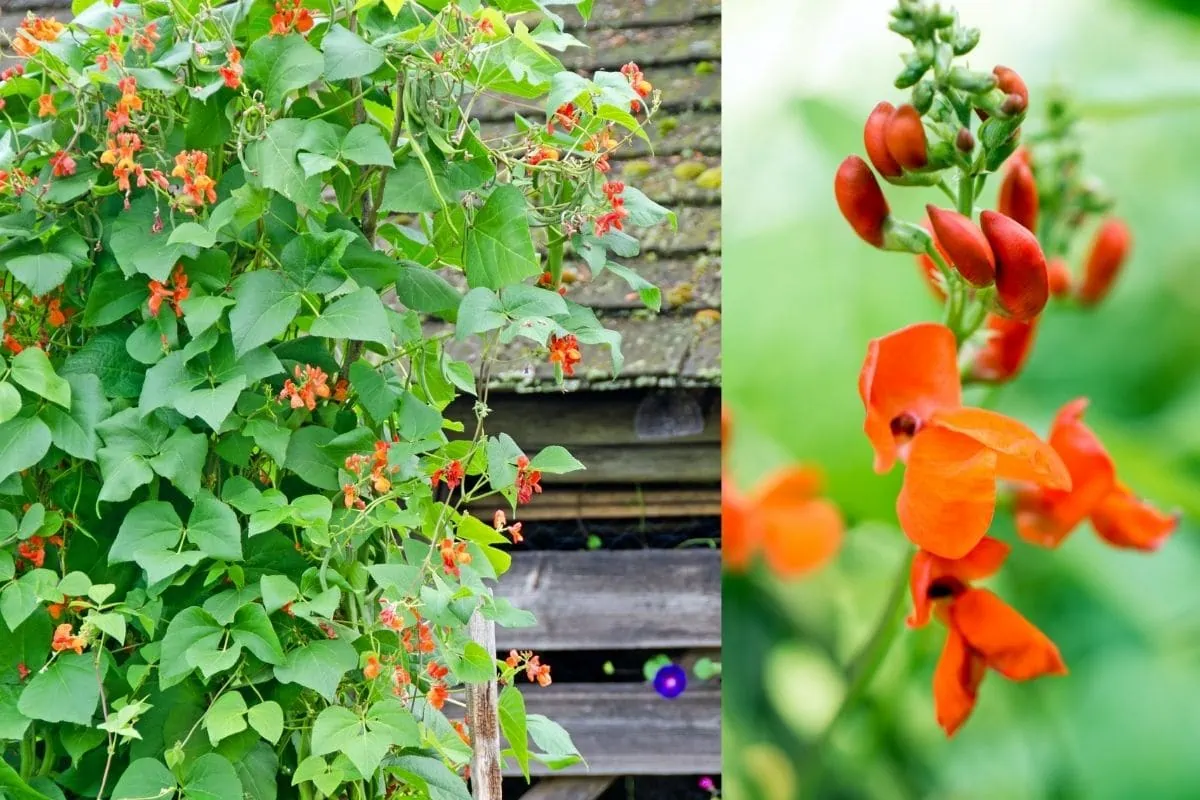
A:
[964,140]
[1022,284]
[1018,197]
[915,68]
[964,40]
[874,138]
[922,96]
[905,137]
[1013,105]
[965,243]
[1110,248]
[971,81]
[861,201]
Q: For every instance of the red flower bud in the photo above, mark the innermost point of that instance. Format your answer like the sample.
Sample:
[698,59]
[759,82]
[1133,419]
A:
[1059,276]
[1006,349]
[874,137]
[1019,195]
[1022,285]
[965,243]
[1009,82]
[1109,249]
[861,200]
[905,136]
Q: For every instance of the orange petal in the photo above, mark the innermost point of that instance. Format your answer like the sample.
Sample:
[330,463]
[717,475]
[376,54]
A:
[932,576]
[1124,520]
[912,371]
[1008,642]
[956,683]
[803,539]
[800,532]
[1046,516]
[949,493]
[1006,350]
[1020,454]
[740,535]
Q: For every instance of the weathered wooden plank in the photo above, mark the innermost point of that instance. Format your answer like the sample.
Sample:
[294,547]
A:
[650,463]
[642,13]
[591,504]
[484,720]
[687,285]
[687,133]
[627,729]
[656,350]
[614,599]
[650,47]
[684,88]
[580,788]
[535,421]
[674,180]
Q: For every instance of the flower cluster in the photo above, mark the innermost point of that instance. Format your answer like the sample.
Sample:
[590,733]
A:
[564,352]
[33,32]
[307,385]
[191,165]
[374,470]
[173,295]
[529,481]
[995,281]
[65,639]
[500,524]
[535,670]
[451,474]
[291,15]
[639,84]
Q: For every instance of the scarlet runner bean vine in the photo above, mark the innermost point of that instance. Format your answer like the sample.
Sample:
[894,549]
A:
[235,555]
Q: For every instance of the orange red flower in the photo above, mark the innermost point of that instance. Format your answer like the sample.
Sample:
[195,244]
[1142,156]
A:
[1047,516]
[1110,248]
[784,520]
[312,385]
[64,639]
[192,166]
[861,201]
[564,350]
[174,296]
[62,164]
[1005,350]
[983,632]
[291,16]
[453,555]
[46,106]
[33,31]
[912,393]
[529,481]
[231,73]
[452,474]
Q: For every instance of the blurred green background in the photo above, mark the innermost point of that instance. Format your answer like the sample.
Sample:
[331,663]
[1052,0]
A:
[802,296]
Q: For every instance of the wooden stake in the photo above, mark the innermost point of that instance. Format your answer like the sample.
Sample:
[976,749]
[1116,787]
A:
[484,720]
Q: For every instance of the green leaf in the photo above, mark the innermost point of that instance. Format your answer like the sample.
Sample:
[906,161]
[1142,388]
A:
[318,665]
[137,248]
[146,777]
[277,592]
[18,600]
[282,64]
[308,460]
[113,624]
[311,259]
[513,726]
[181,460]
[422,289]
[13,788]
[40,272]
[68,691]
[555,743]
[74,432]
[347,55]
[111,297]
[192,627]
[149,527]
[24,441]
[555,460]
[265,305]
[212,404]
[273,158]
[214,528]
[201,312]
[439,782]
[651,295]
[225,717]
[104,355]
[252,629]
[644,212]
[377,397]
[476,664]
[480,311]
[10,401]
[193,233]
[267,719]
[212,777]
[365,145]
[270,438]
[499,248]
[359,315]
[365,741]
[31,369]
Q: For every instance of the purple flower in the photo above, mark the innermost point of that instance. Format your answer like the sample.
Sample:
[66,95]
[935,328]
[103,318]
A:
[706,783]
[670,681]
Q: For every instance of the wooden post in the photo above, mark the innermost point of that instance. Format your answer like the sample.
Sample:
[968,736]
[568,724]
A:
[484,721]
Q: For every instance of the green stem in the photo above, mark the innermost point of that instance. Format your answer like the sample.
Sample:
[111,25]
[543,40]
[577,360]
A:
[865,665]
[554,254]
